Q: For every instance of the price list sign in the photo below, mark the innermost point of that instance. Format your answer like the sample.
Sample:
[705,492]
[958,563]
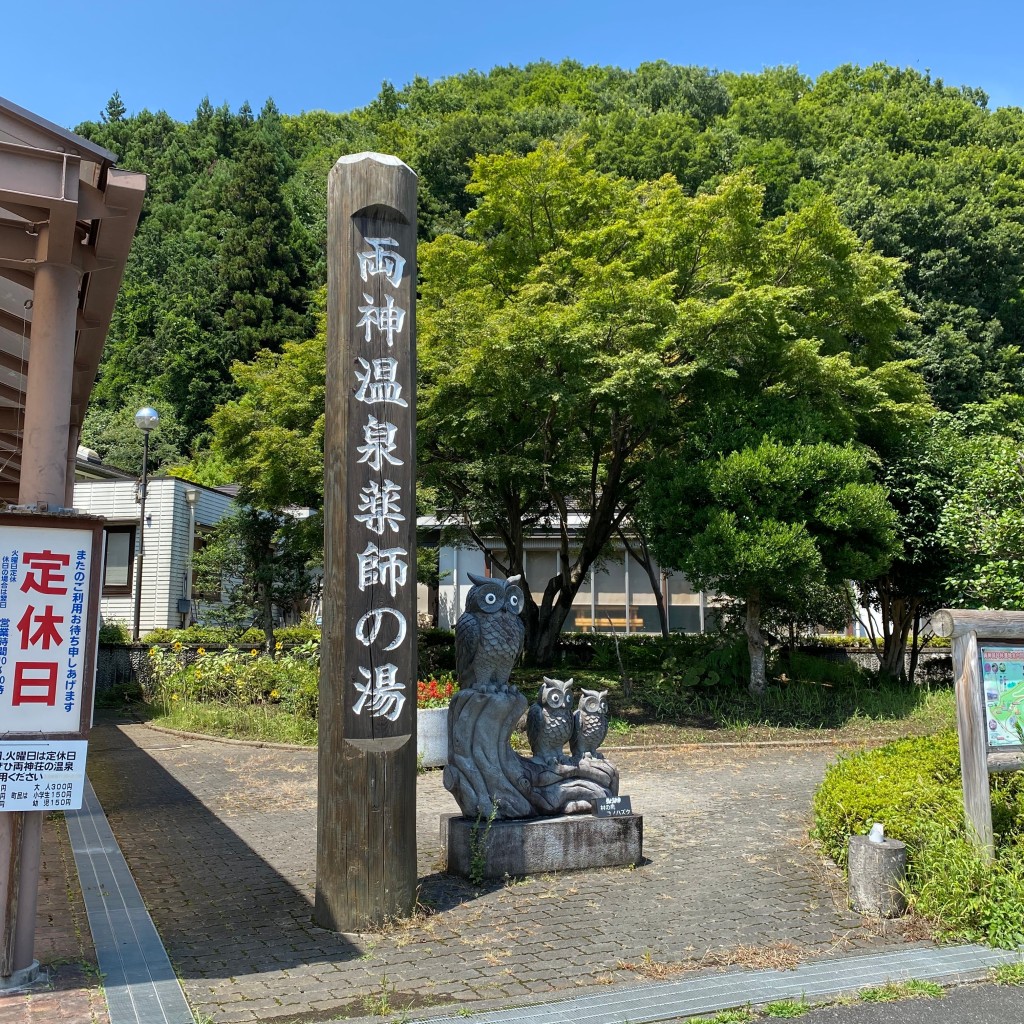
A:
[41,775]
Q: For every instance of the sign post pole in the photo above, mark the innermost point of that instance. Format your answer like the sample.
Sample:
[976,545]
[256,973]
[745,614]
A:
[366,816]
[970,727]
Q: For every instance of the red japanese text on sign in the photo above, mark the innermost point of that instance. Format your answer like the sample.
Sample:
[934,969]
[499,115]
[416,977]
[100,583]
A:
[44,620]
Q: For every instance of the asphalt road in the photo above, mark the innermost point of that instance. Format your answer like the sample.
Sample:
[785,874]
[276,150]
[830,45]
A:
[967,1004]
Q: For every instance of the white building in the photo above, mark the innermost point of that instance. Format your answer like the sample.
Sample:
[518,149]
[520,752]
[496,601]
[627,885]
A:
[617,596]
[178,514]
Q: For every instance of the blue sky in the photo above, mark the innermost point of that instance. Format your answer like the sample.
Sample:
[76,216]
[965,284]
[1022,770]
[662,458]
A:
[63,60]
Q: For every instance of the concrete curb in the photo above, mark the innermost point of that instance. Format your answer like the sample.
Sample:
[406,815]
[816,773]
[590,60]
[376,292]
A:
[713,992]
[713,745]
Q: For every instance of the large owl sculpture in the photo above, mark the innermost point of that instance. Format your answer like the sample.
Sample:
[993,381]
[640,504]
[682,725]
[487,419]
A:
[590,724]
[549,722]
[489,634]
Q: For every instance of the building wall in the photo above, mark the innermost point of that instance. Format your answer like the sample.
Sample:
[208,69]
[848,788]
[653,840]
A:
[616,596]
[166,537]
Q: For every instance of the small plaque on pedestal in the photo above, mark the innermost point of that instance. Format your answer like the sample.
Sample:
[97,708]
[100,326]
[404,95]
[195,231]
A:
[614,807]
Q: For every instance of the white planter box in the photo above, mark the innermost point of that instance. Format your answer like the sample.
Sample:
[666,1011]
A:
[432,736]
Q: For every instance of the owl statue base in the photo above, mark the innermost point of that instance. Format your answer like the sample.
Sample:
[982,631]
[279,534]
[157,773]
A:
[538,845]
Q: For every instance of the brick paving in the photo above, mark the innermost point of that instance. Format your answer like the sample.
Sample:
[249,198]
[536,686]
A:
[72,992]
[221,841]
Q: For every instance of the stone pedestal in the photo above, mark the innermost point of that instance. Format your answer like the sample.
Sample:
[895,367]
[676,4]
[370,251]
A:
[876,873]
[536,845]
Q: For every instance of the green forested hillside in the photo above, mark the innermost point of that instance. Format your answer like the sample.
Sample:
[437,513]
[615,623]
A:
[230,252]
[753,314]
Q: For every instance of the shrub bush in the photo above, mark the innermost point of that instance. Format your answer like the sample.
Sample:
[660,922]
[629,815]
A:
[114,631]
[217,635]
[913,787]
[834,641]
[801,665]
[237,676]
[435,652]
[643,652]
[901,785]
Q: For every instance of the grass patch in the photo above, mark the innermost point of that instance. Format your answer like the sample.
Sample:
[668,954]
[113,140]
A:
[913,788]
[1008,974]
[250,722]
[893,991]
[787,1008]
[740,1015]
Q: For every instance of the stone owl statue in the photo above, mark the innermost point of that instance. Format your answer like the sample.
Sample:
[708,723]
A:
[590,724]
[489,634]
[549,722]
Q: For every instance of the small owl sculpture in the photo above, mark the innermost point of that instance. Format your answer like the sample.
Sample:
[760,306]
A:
[489,634]
[590,724]
[549,722]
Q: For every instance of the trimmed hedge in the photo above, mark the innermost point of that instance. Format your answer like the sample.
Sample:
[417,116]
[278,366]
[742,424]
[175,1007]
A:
[220,635]
[902,785]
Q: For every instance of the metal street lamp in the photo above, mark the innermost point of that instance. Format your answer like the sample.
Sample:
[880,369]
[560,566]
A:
[145,419]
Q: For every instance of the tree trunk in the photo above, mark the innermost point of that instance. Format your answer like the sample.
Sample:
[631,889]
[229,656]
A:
[643,558]
[267,607]
[915,646]
[902,613]
[542,643]
[755,645]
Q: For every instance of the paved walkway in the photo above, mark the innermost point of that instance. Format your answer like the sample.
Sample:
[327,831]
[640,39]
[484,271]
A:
[73,992]
[221,841]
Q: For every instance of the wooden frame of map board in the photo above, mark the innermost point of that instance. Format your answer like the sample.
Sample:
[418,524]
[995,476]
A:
[973,632]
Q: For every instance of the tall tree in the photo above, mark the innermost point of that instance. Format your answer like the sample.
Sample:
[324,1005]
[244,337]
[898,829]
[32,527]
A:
[262,296]
[263,559]
[769,492]
[919,479]
[766,523]
[547,367]
[585,323]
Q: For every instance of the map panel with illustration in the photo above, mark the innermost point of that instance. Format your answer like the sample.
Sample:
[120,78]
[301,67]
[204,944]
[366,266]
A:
[1002,675]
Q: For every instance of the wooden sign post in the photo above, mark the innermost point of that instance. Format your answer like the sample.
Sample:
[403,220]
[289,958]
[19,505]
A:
[988,667]
[366,820]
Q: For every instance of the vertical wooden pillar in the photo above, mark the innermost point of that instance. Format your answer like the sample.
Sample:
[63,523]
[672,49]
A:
[44,467]
[366,816]
[971,733]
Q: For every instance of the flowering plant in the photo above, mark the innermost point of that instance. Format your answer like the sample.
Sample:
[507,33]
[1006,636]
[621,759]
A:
[436,693]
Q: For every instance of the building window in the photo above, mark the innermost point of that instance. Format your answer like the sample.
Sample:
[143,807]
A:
[117,563]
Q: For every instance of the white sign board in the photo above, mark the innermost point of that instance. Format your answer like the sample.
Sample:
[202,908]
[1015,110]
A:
[42,775]
[45,661]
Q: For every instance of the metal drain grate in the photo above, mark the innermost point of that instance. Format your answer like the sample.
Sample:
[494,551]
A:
[138,979]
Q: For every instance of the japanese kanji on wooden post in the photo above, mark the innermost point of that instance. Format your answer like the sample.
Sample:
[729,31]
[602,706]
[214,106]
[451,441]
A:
[366,842]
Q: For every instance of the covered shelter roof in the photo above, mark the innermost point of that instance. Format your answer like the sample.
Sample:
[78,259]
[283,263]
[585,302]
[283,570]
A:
[64,203]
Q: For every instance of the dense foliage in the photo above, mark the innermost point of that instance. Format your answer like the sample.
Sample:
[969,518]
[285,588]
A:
[231,246]
[850,224]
